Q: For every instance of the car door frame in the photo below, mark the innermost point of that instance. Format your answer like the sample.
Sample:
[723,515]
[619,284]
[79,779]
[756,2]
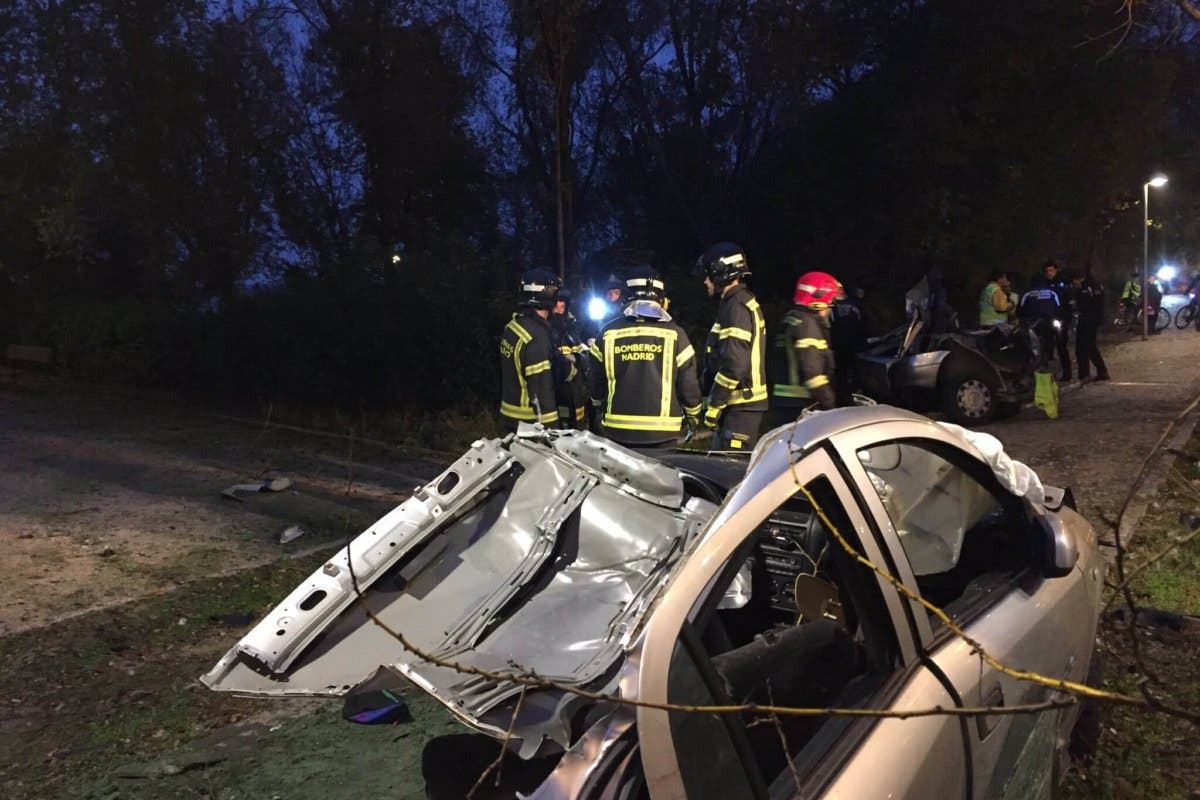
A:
[937,642]
[764,491]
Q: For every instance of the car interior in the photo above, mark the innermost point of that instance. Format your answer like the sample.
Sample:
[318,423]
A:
[960,536]
[813,633]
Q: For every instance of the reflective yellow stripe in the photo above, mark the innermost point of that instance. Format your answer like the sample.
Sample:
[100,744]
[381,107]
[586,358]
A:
[630,422]
[518,331]
[596,352]
[757,394]
[534,369]
[518,412]
[693,411]
[549,416]
[683,357]
[735,444]
[725,382]
[820,344]
[581,414]
[524,399]
[736,333]
[716,328]
[786,390]
[817,382]
[566,350]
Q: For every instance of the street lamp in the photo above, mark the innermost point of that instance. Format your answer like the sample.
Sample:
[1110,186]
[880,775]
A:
[1156,182]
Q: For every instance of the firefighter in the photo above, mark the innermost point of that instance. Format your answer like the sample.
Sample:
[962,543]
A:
[643,378]
[735,353]
[804,370]
[570,387]
[526,354]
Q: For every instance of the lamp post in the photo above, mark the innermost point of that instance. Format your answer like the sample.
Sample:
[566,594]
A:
[1156,181]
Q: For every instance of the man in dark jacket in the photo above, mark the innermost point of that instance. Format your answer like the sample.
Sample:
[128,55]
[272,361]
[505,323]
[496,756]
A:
[735,353]
[847,336]
[1057,284]
[1089,300]
[804,367]
[1040,309]
[643,376]
[526,355]
[570,387]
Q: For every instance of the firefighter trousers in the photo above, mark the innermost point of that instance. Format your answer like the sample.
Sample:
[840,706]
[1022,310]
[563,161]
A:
[737,430]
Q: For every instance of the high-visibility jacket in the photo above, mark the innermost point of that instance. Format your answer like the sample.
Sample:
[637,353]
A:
[991,313]
[644,376]
[803,371]
[736,356]
[1132,290]
[527,384]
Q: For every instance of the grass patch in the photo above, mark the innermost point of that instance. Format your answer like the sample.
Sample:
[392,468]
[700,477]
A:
[1146,755]
[116,686]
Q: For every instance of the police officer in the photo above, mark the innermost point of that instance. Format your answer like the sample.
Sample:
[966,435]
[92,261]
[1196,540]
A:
[1058,284]
[735,353]
[526,354]
[570,387]
[804,370]
[1089,294]
[1040,310]
[643,379]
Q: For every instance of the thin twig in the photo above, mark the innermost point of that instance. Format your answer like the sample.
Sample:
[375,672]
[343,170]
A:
[783,742]
[497,765]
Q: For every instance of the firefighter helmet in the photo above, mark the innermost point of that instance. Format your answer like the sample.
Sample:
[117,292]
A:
[539,289]
[817,290]
[645,283]
[723,263]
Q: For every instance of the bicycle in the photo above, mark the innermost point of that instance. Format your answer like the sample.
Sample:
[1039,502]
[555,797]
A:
[1133,321]
[1187,313]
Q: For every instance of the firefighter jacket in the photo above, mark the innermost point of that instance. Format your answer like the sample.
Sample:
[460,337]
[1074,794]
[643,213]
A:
[643,376]
[803,369]
[735,356]
[569,365]
[527,382]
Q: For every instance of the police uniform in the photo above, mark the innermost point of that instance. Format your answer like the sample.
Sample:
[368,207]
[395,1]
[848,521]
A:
[735,370]
[527,382]
[804,369]
[643,378]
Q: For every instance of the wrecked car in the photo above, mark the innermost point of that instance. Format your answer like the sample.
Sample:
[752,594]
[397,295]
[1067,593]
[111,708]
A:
[931,362]
[711,579]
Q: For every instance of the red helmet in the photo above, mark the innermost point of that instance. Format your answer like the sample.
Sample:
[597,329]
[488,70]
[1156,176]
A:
[817,290]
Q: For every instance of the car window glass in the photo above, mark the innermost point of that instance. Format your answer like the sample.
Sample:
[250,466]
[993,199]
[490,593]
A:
[953,528]
[811,631]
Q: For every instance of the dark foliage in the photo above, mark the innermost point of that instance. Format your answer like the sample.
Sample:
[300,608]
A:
[327,201]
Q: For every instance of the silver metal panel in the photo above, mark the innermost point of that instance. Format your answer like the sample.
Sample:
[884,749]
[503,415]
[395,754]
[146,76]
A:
[919,371]
[553,577]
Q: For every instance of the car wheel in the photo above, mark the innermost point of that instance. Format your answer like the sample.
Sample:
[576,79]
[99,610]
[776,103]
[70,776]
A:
[969,397]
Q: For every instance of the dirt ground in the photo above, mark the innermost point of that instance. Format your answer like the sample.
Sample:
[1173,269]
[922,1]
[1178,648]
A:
[125,563]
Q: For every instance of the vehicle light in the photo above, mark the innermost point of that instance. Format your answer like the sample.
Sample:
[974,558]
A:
[1167,273]
[1058,325]
[596,309]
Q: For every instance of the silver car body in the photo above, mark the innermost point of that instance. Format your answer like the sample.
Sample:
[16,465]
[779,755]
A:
[562,554]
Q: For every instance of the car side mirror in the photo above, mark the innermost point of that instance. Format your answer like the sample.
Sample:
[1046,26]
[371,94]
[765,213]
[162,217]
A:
[1056,547]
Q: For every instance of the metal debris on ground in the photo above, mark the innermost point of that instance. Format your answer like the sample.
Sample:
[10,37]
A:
[265,485]
[291,534]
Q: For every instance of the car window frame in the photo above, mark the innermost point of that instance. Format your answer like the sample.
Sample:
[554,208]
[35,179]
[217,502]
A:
[745,509]
[953,449]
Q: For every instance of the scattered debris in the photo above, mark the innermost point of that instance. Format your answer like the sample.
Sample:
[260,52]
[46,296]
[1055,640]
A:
[265,485]
[291,534]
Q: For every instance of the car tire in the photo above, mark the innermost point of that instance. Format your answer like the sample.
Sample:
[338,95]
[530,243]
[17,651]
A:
[968,396]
